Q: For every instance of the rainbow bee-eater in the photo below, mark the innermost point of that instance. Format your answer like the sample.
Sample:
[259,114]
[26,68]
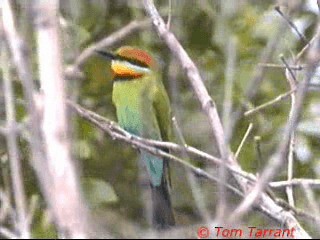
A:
[143,109]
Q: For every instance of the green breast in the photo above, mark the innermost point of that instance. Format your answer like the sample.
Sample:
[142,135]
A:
[134,104]
[136,114]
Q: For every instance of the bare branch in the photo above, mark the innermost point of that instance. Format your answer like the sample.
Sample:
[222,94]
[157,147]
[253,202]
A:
[196,188]
[69,211]
[210,110]
[257,76]
[292,25]
[268,206]
[20,54]
[107,42]
[243,140]
[269,103]
[13,150]
[296,182]
[230,72]
[273,65]
[116,133]
[276,163]
[291,78]
[305,48]
[169,15]
[207,104]
[311,199]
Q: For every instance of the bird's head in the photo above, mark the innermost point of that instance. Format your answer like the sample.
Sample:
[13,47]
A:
[130,62]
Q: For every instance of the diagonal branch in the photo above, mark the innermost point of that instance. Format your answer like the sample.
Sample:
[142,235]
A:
[112,39]
[145,144]
[276,163]
[209,108]
[116,132]
[272,209]
[207,104]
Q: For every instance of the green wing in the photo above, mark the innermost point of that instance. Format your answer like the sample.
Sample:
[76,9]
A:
[162,109]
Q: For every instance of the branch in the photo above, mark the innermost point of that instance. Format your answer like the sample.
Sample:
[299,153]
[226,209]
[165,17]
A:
[13,150]
[274,65]
[195,187]
[296,182]
[207,104]
[267,206]
[20,53]
[257,76]
[117,133]
[107,42]
[291,78]
[292,25]
[149,145]
[114,130]
[70,213]
[269,103]
[243,140]
[311,199]
[275,164]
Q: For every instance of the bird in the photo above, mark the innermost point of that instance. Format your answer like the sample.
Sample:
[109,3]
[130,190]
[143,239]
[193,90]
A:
[143,109]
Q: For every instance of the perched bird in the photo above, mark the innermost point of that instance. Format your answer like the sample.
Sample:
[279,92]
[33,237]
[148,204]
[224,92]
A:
[143,109]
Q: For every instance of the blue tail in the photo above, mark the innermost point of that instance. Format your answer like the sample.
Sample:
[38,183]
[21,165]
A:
[154,167]
[162,213]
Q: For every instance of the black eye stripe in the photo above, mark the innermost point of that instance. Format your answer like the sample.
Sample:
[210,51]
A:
[112,56]
[122,78]
[132,61]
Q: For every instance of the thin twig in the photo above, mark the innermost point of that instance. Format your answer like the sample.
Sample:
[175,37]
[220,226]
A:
[113,128]
[257,141]
[229,81]
[194,184]
[291,78]
[305,48]
[273,65]
[20,53]
[299,212]
[207,104]
[311,199]
[296,182]
[257,76]
[209,107]
[243,140]
[276,163]
[140,143]
[269,103]
[292,25]
[267,206]
[169,15]
[107,42]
